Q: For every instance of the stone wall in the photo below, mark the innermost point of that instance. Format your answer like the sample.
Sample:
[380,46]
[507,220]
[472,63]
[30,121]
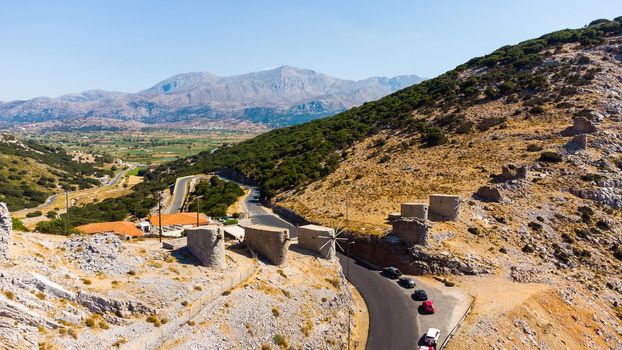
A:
[411,230]
[207,244]
[444,207]
[310,237]
[269,241]
[6,232]
[414,210]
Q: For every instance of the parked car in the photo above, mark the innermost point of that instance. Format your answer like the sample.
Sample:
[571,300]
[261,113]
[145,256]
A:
[406,282]
[425,347]
[420,295]
[427,307]
[391,272]
[431,337]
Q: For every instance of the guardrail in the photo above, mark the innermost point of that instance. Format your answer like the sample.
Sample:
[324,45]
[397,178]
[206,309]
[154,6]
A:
[453,331]
[158,335]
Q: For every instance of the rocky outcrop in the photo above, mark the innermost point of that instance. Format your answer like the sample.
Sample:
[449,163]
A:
[577,143]
[489,194]
[512,172]
[6,233]
[121,308]
[443,263]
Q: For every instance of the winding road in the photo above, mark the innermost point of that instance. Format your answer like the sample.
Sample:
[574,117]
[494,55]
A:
[392,314]
[394,319]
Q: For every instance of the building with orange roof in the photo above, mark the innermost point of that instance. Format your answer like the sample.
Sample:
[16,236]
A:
[118,227]
[189,218]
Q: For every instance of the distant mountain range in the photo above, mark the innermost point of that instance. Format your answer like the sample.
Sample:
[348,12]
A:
[273,98]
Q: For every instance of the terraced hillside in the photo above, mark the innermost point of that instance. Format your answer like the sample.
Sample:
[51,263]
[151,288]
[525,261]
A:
[30,172]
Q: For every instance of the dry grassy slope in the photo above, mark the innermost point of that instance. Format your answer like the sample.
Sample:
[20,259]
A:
[373,182]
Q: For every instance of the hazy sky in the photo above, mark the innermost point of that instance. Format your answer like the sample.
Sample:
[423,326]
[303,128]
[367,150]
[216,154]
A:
[48,48]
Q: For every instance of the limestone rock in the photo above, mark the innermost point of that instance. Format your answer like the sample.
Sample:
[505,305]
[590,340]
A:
[6,233]
[581,124]
[511,172]
[489,193]
[578,143]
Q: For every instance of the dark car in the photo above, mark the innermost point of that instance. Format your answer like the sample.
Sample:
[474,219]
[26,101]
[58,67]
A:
[391,272]
[406,282]
[420,295]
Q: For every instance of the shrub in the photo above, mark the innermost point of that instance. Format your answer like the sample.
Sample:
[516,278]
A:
[154,319]
[536,110]
[535,226]
[51,214]
[533,148]
[550,157]
[9,295]
[473,230]
[275,312]
[18,225]
[90,322]
[87,281]
[434,137]
[603,225]
[34,214]
[281,341]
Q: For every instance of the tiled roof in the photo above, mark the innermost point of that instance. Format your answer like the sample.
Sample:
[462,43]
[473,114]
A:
[119,227]
[180,219]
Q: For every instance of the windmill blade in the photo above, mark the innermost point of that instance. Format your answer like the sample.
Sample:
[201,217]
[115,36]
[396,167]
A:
[339,231]
[324,245]
[340,247]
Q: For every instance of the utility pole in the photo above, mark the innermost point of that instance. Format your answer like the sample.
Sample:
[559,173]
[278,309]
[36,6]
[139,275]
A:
[160,215]
[198,209]
[67,213]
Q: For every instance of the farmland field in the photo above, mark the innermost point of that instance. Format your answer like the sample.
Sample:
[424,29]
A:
[144,147]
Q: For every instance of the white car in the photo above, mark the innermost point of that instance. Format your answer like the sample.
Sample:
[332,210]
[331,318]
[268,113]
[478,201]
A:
[431,337]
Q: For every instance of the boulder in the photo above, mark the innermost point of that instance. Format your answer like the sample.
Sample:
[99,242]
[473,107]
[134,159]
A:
[6,233]
[578,142]
[489,193]
[511,172]
[581,124]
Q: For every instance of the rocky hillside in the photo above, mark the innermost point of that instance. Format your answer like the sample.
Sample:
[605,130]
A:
[549,241]
[276,97]
[548,238]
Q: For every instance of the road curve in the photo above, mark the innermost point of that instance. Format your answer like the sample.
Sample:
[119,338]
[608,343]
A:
[179,194]
[392,314]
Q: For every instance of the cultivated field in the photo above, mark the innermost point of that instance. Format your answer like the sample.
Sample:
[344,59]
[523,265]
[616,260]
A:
[146,147]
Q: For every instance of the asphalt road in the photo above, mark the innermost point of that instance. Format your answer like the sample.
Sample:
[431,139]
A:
[392,314]
[179,195]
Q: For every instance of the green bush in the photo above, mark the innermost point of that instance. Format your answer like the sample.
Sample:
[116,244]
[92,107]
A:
[18,225]
[34,214]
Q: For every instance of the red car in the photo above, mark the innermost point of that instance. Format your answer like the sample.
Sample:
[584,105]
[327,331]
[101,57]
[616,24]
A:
[427,307]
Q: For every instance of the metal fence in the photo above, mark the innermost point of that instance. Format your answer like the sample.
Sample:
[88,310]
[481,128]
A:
[453,330]
[158,335]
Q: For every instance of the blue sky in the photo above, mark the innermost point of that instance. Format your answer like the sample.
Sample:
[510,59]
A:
[48,48]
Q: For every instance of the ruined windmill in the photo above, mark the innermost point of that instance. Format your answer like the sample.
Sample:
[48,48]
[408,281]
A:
[328,249]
